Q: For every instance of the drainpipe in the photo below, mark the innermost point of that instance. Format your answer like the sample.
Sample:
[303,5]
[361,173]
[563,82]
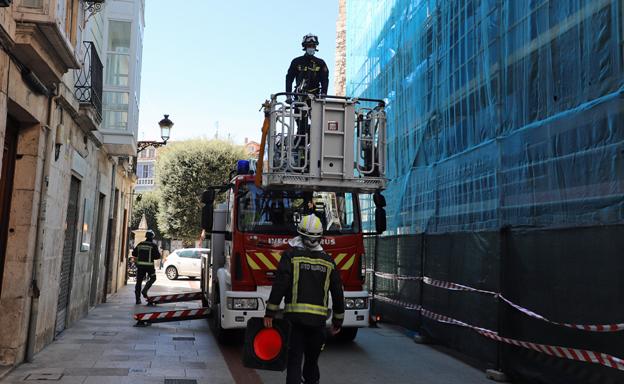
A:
[36,270]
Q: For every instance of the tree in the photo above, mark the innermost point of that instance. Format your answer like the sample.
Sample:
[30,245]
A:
[148,206]
[184,170]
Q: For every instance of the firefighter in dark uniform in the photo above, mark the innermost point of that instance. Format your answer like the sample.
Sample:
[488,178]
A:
[145,253]
[304,277]
[311,75]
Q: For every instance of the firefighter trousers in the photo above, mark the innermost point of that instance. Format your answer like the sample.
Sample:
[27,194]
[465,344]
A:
[143,270]
[305,346]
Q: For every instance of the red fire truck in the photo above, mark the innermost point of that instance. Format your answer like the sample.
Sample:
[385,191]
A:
[322,171]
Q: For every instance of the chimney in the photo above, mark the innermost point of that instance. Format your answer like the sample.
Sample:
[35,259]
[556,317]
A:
[246,141]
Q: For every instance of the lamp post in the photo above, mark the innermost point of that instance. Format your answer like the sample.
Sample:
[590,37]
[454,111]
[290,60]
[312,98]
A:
[165,132]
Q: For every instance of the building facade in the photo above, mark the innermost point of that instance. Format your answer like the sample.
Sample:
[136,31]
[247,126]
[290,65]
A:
[146,165]
[505,138]
[66,182]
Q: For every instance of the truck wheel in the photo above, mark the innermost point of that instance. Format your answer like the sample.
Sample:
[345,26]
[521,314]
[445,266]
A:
[172,273]
[223,336]
[347,334]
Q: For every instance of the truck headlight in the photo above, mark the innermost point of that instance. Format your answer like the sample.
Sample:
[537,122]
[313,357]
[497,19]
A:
[241,304]
[356,303]
[349,303]
[360,303]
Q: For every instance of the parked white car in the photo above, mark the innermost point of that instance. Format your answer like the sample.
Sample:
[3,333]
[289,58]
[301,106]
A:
[184,262]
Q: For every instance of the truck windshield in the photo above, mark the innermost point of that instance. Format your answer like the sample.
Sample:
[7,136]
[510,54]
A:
[278,211]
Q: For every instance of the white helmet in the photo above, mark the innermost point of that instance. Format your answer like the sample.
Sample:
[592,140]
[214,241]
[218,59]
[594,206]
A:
[310,226]
[310,38]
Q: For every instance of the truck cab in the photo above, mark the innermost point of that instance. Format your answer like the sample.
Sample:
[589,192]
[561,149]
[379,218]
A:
[254,226]
[260,209]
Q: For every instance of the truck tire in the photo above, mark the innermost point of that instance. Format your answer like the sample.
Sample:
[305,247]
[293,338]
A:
[223,336]
[347,335]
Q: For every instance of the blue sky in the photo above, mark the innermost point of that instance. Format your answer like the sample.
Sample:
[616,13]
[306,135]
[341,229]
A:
[208,60]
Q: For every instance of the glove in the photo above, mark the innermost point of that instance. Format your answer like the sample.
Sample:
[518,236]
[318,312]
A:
[337,323]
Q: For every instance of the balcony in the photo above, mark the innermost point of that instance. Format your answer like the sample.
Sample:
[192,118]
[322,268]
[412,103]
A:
[88,87]
[43,38]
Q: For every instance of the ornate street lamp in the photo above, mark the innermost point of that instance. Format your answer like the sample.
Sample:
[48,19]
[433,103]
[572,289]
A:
[165,133]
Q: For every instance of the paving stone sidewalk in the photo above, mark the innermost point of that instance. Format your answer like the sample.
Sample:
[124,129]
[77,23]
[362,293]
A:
[105,348]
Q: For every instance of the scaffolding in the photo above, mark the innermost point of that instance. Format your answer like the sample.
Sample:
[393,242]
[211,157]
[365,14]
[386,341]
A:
[499,113]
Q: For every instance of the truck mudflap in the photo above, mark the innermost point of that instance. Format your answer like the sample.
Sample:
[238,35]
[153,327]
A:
[238,306]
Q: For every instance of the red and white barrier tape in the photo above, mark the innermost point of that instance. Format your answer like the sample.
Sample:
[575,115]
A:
[557,351]
[528,312]
[403,304]
[176,297]
[459,287]
[170,314]
[582,327]
[393,276]
[454,286]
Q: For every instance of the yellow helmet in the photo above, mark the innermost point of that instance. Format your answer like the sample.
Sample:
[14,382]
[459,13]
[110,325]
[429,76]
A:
[310,226]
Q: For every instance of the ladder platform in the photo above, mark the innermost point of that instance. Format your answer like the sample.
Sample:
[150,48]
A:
[329,143]
[329,182]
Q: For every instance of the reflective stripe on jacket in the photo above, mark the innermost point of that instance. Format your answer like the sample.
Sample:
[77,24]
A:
[146,252]
[305,278]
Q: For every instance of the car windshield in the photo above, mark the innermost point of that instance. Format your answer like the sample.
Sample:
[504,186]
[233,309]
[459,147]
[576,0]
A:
[262,211]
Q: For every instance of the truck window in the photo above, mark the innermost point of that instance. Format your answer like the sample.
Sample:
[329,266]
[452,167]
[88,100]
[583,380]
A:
[278,211]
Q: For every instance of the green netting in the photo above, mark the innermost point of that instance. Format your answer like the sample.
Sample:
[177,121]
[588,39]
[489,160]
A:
[500,113]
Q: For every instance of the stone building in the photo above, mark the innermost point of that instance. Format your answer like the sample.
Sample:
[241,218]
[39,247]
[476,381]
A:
[66,180]
[146,165]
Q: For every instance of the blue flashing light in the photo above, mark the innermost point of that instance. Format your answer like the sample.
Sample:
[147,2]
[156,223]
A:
[242,167]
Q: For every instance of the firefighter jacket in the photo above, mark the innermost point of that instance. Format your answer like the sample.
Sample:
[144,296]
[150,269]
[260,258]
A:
[146,252]
[305,278]
[310,71]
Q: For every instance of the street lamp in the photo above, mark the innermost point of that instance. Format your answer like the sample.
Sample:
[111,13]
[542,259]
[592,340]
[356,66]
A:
[165,133]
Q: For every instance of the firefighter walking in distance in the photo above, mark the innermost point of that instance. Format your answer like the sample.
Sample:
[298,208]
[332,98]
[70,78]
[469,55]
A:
[305,275]
[145,253]
[311,75]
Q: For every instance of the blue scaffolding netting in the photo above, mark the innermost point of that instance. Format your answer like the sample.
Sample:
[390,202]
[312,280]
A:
[500,113]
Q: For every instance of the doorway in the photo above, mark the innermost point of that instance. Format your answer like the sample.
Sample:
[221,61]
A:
[69,248]
[97,254]
[9,156]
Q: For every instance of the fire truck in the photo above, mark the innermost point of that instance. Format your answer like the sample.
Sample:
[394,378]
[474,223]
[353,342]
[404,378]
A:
[322,155]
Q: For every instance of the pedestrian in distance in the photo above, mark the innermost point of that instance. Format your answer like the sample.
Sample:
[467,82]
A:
[145,253]
[304,276]
[311,75]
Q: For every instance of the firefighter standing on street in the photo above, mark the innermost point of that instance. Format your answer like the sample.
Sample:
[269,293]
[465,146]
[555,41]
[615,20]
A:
[304,276]
[311,75]
[145,253]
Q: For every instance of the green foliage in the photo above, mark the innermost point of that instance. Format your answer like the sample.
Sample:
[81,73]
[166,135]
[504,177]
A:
[148,206]
[184,170]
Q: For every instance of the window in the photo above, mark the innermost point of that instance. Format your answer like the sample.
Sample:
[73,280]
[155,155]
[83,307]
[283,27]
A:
[279,211]
[188,254]
[115,115]
[71,19]
[147,171]
[118,57]
[32,3]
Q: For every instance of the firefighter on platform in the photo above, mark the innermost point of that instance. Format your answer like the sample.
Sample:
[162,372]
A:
[311,75]
[304,276]
[144,254]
